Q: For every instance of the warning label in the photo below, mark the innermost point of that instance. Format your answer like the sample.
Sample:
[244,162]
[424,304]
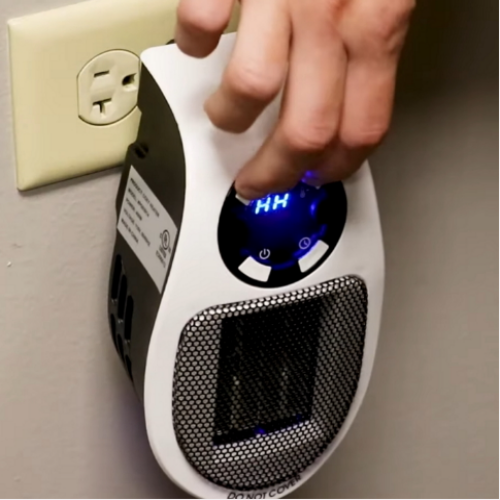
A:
[147,227]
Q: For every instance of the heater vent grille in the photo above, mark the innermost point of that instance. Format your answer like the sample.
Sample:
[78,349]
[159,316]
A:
[261,388]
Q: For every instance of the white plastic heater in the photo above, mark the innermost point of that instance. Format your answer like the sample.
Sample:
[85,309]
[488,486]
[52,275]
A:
[249,329]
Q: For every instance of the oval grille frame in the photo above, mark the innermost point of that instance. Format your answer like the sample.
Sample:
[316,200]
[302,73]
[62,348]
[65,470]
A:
[261,388]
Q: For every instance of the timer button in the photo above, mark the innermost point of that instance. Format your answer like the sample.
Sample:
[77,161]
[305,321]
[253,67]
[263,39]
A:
[314,256]
[255,270]
[305,243]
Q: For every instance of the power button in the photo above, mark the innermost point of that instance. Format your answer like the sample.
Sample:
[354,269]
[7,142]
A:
[265,254]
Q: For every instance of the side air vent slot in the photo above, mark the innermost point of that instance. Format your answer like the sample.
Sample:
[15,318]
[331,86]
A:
[121,313]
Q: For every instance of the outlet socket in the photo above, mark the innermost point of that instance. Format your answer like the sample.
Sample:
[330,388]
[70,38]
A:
[69,120]
[108,87]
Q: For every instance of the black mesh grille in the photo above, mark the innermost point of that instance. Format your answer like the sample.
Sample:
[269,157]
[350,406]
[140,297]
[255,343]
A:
[261,388]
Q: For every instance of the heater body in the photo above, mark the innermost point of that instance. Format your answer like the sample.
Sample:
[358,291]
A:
[249,330]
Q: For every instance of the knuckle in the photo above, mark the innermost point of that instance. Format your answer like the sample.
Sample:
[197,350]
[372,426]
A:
[336,7]
[400,10]
[308,138]
[388,28]
[250,81]
[364,138]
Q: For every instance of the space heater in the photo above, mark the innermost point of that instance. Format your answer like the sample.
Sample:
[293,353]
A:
[248,328]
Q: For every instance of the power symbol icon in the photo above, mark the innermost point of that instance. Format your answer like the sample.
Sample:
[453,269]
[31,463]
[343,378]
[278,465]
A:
[265,254]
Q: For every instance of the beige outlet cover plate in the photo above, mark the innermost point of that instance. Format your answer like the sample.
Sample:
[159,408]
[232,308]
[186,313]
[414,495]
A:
[48,51]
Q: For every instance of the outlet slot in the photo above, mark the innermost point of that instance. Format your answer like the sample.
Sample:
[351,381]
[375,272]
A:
[129,82]
[103,106]
[101,74]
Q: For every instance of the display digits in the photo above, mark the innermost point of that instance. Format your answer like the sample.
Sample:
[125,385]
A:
[271,203]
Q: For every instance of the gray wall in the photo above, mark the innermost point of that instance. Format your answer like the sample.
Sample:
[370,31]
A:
[70,425]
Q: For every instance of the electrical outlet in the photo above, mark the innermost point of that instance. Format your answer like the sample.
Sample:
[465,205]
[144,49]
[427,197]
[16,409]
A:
[75,79]
[108,87]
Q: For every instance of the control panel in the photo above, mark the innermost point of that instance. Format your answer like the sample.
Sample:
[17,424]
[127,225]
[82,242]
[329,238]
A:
[280,239]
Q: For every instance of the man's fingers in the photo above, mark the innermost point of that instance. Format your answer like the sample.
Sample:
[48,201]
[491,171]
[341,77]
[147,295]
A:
[368,102]
[366,117]
[374,33]
[311,108]
[257,70]
[201,24]
[335,113]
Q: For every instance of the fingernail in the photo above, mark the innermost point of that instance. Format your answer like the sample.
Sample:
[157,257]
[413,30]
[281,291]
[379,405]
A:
[250,193]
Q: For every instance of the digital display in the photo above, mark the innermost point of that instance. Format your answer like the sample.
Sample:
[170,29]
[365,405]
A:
[278,231]
[271,203]
[281,228]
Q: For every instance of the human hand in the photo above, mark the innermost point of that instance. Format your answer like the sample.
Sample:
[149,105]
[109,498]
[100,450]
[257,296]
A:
[337,61]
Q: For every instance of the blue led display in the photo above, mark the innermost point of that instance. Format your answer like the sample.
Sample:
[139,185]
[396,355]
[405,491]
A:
[282,228]
[271,203]
[279,230]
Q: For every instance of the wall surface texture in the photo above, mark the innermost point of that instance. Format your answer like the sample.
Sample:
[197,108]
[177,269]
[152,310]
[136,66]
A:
[70,425]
